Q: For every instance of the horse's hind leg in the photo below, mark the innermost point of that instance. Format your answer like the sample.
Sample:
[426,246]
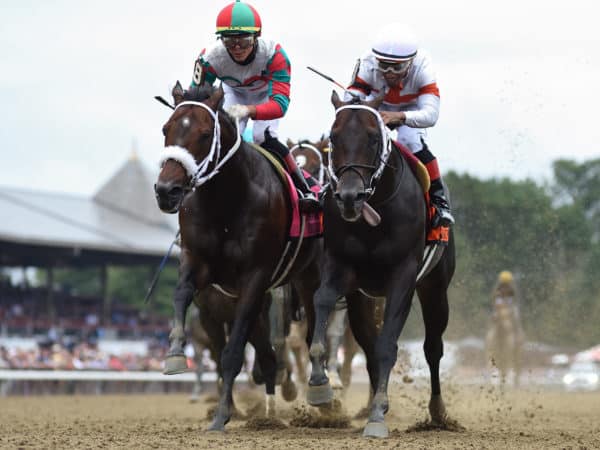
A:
[350,349]
[434,304]
[335,333]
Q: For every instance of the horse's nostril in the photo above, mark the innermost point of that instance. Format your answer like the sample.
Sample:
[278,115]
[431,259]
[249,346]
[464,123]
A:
[175,191]
[361,196]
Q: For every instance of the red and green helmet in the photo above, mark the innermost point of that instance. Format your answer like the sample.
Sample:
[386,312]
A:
[238,17]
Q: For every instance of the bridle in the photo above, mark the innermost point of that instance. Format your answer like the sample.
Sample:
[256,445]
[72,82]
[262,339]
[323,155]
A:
[383,154]
[199,172]
[317,152]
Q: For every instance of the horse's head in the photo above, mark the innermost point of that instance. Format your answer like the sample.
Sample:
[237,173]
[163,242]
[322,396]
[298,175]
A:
[311,156]
[192,135]
[358,142]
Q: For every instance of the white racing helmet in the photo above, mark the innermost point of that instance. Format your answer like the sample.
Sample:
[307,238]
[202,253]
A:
[395,43]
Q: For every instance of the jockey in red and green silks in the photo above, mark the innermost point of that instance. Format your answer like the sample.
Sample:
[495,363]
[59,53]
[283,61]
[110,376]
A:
[255,75]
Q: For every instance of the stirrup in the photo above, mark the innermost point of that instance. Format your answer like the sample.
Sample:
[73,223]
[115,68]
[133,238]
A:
[308,203]
[442,218]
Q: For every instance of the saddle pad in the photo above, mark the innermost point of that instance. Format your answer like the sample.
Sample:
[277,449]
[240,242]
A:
[314,221]
[437,235]
[417,167]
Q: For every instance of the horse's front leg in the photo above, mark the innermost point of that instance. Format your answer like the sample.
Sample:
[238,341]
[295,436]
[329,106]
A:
[336,282]
[399,298]
[176,361]
[249,306]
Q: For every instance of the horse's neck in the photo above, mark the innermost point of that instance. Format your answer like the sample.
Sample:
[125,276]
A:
[391,176]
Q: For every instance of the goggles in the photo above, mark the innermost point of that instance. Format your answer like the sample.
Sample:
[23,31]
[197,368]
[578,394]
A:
[393,67]
[242,41]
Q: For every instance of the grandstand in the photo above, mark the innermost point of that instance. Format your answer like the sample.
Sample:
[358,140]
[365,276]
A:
[120,225]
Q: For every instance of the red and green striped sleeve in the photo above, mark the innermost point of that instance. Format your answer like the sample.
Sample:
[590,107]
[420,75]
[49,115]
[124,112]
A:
[278,74]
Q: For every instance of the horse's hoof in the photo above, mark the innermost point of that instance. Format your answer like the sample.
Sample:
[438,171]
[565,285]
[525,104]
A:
[194,398]
[216,426]
[289,392]
[175,364]
[376,430]
[319,395]
[335,381]
[437,410]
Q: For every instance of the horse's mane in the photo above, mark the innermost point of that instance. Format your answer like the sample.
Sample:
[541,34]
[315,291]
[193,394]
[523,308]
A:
[198,93]
[201,93]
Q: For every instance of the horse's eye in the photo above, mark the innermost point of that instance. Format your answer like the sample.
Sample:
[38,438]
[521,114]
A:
[164,131]
[205,135]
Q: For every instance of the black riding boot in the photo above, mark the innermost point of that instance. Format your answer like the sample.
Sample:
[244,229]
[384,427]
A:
[437,195]
[308,202]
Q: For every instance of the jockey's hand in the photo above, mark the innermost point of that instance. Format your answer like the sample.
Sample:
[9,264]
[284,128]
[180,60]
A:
[393,117]
[241,111]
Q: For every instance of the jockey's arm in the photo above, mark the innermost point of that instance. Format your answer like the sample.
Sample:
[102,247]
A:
[278,76]
[204,73]
[428,108]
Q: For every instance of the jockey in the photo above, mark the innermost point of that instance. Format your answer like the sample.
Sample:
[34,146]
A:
[255,75]
[396,68]
[505,286]
[504,295]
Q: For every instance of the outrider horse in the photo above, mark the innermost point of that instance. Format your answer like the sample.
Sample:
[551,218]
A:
[380,260]
[234,216]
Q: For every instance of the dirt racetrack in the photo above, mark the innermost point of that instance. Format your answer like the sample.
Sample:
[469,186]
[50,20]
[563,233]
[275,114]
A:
[517,419]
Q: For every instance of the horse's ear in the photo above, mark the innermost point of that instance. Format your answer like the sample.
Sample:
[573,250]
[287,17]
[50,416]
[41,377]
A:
[177,93]
[322,143]
[289,143]
[335,99]
[215,100]
[375,103]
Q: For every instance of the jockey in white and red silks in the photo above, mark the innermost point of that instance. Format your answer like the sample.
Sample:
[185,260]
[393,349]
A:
[396,68]
[256,76]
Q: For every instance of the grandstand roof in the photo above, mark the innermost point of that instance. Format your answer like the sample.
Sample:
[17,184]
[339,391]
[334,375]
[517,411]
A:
[121,223]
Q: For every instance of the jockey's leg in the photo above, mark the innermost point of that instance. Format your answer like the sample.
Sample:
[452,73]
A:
[309,201]
[437,193]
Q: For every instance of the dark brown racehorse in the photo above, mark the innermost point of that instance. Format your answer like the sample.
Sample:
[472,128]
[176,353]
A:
[234,218]
[381,260]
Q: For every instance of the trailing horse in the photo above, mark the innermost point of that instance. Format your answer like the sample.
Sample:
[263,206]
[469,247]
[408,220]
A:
[378,258]
[504,340]
[235,216]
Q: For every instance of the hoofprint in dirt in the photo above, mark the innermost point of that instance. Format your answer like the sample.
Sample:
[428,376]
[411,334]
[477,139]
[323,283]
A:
[531,418]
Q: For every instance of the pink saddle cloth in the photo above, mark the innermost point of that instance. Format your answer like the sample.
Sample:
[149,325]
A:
[314,221]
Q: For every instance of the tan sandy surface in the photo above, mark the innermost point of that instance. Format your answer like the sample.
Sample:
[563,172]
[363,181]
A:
[518,419]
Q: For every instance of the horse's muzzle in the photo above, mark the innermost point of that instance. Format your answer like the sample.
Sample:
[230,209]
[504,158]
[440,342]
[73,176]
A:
[168,196]
[350,204]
